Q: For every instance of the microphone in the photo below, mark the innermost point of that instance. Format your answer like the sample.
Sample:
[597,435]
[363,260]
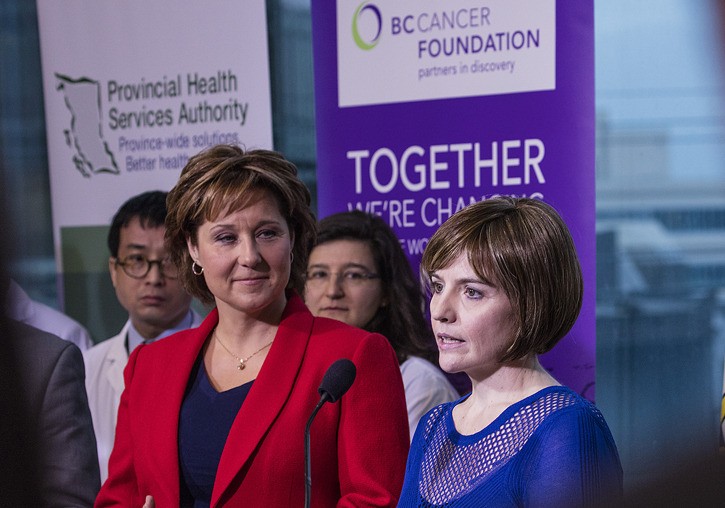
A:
[337,380]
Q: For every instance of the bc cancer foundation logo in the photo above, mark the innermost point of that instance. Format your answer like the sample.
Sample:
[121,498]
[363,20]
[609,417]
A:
[367,25]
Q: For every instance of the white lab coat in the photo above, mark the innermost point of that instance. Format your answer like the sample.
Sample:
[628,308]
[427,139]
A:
[21,307]
[105,363]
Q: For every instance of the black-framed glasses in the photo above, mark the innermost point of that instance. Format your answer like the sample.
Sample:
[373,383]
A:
[351,277]
[138,266]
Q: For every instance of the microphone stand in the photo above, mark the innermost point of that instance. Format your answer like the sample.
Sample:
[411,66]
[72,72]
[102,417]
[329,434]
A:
[308,459]
[337,380]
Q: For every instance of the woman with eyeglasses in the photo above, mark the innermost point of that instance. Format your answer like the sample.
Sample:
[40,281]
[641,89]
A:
[358,273]
[216,416]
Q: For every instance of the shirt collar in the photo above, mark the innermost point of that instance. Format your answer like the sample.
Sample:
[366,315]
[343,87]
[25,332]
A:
[135,339]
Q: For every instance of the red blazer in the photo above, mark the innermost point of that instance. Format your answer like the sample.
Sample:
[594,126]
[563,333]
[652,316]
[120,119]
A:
[359,444]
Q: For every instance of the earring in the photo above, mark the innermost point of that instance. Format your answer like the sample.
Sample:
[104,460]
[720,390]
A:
[291,257]
[196,269]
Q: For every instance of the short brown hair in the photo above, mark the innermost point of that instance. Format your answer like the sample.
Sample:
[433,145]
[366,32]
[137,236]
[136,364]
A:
[524,245]
[223,178]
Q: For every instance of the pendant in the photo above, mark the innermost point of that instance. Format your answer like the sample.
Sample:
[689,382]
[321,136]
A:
[241,365]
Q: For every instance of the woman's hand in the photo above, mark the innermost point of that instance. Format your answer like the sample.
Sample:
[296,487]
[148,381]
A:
[149,502]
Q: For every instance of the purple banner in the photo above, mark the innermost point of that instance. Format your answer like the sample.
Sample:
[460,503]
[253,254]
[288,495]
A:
[424,108]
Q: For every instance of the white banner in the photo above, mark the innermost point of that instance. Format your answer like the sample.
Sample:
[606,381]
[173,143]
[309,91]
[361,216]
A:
[440,50]
[134,88]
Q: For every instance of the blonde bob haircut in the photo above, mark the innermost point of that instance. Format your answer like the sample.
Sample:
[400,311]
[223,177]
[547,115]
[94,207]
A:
[524,246]
[225,179]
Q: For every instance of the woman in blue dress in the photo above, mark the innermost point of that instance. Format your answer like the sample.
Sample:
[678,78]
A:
[506,286]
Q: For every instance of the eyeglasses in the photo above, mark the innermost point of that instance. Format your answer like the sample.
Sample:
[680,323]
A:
[138,266]
[350,278]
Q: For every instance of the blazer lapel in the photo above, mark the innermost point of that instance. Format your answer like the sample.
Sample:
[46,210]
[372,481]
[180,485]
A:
[165,415]
[268,394]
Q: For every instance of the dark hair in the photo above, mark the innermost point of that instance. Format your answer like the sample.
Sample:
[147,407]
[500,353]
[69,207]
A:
[523,245]
[402,320]
[150,209]
[224,178]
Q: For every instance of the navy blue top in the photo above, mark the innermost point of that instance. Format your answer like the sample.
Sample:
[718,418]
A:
[551,449]
[204,423]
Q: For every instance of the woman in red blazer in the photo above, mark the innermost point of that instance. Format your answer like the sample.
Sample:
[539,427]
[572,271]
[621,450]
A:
[215,416]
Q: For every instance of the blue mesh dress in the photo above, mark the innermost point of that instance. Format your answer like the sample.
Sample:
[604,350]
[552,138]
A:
[550,449]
